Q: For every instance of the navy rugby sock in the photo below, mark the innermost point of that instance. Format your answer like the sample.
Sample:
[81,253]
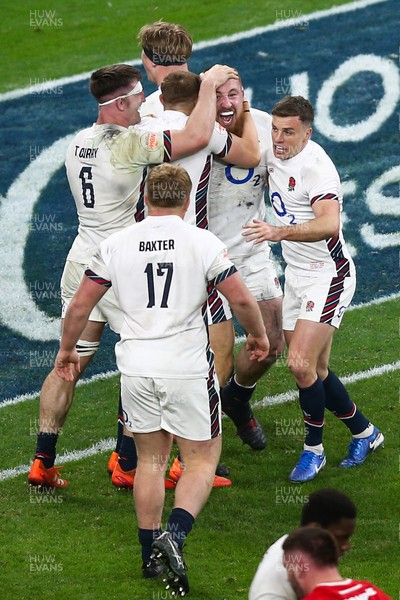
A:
[235,402]
[46,448]
[146,538]
[127,453]
[312,403]
[179,525]
[338,401]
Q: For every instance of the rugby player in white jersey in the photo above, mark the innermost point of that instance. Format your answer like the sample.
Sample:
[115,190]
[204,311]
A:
[179,92]
[320,280]
[178,96]
[236,196]
[105,167]
[160,269]
[166,48]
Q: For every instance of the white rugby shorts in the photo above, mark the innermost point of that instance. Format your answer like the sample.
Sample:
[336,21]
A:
[321,299]
[188,408]
[258,272]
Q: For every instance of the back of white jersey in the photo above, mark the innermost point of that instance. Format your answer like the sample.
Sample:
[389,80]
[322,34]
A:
[236,195]
[198,165]
[295,185]
[152,105]
[105,196]
[105,166]
[160,269]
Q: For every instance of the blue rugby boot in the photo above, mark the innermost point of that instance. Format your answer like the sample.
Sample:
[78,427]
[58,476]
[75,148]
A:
[359,448]
[308,466]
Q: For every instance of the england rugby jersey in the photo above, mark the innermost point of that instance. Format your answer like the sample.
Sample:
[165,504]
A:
[197,165]
[152,105]
[236,195]
[160,269]
[105,190]
[295,185]
[348,589]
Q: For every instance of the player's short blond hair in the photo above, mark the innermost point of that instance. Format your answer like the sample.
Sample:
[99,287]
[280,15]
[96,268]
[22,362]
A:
[166,43]
[168,186]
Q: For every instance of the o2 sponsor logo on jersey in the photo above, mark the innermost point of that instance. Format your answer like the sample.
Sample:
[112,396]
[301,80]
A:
[351,78]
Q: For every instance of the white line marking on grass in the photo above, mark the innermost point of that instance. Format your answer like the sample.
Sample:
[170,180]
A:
[102,446]
[346,379]
[24,397]
[335,10]
[394,296]
[239,340]
[109,443]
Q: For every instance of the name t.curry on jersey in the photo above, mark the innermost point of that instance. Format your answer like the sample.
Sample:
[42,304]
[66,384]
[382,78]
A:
[85,152]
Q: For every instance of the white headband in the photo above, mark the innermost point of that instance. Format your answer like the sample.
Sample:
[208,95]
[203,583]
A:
[138,89]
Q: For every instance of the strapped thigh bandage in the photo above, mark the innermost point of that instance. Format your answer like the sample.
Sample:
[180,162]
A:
[85,348]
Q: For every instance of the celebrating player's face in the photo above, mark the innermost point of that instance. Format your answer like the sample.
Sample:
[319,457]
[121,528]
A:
[229,103]
[289,136]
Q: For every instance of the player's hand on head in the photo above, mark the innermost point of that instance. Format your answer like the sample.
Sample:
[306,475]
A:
[219,74]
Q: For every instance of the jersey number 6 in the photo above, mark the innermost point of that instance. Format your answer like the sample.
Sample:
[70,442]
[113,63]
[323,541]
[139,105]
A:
[87,187]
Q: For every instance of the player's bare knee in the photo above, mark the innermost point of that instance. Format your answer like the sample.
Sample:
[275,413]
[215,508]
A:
[300,368]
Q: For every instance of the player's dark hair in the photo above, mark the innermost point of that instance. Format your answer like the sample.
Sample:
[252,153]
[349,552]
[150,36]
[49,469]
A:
[295,106]
[168,186]
[318,543]
[180,87]
[113,79]
[326,507]
[165,44]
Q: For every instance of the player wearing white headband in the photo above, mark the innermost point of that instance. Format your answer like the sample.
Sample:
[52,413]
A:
[137,89]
